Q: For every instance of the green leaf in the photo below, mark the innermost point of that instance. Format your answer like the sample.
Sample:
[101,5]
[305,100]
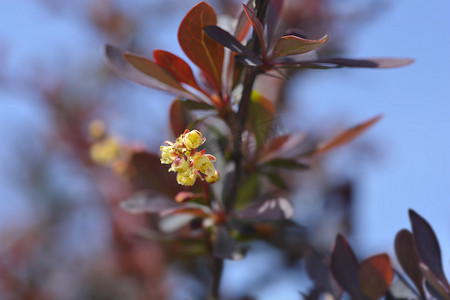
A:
[247,191]
[195,105]
[261,117]
[276,180]
[286,163]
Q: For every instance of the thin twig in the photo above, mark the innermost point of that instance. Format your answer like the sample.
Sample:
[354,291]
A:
[242,114]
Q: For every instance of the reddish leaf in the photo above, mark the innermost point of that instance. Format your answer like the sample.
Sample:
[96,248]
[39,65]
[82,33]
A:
[344,268]
[179,117]
[273,146]
[149,173]
[152,69]
[201,49]
[292,45]
[243,25]
[375,276]
[277,5]
[176,66]
[116,61]
[271,209]
[408,257]
[427,245]
[257,27]
[281,146]
[346,136]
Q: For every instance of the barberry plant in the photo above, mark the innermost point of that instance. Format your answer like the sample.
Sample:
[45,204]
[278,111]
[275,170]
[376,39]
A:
[222,213]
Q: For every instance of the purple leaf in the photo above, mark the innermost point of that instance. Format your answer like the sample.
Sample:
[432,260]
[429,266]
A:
[257,27]
[281,146]
[427,245]
[344,267]
[271,209]
[148,202]
[149,173]
[226,39]
[225,246]
[367,63]
[251,61]
[318,271]
[408,257]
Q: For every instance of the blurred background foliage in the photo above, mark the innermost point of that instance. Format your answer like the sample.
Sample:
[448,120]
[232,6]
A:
[63,234]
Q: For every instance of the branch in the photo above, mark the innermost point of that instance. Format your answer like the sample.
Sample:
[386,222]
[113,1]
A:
[242,114]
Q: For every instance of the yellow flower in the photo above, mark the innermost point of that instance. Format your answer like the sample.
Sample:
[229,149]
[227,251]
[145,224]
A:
[187,161]
[204,165]
[186,178]
[105,151]
[180,164]
[214,178]
[97,129]
[168,154]
[193,139]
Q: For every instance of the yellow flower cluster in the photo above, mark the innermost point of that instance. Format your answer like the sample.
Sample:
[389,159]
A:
[189,163]
[107,150]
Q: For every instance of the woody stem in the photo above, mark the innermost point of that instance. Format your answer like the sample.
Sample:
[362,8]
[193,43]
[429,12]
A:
[205,191]
[242,114]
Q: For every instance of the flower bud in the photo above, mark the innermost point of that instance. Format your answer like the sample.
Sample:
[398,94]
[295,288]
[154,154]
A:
[186,178]
[105,151]
[183,197]
[180,164]
[214,178]
[97,129]
[193,139]
[204,165]
[167,154]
